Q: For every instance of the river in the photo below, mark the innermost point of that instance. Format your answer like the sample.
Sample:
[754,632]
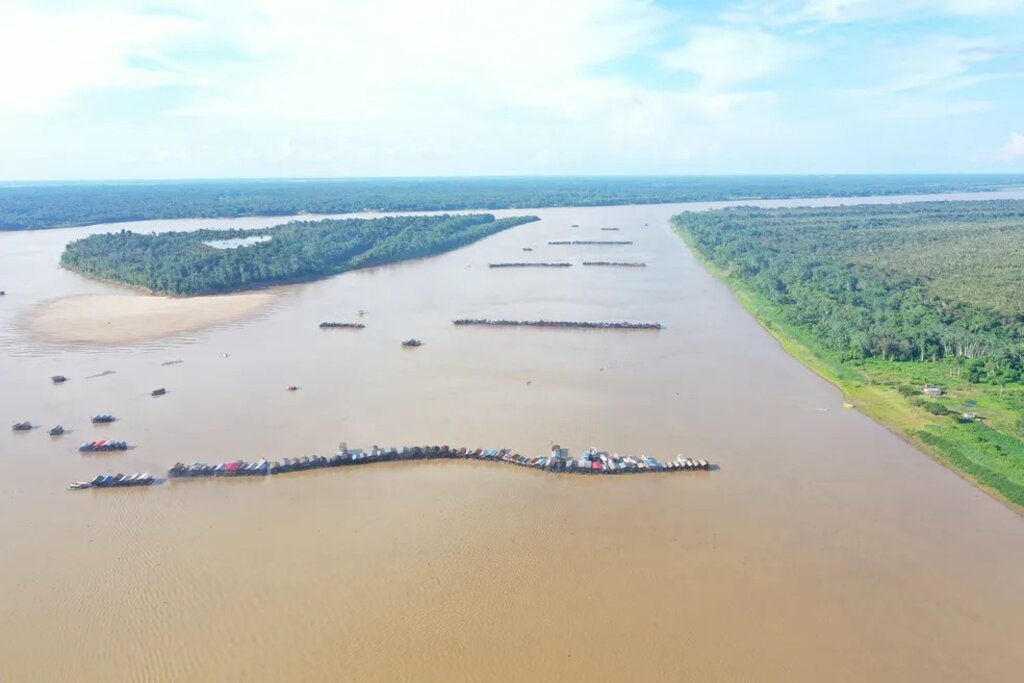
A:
[825,548]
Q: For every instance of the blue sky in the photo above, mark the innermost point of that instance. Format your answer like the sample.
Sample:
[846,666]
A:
[271,88]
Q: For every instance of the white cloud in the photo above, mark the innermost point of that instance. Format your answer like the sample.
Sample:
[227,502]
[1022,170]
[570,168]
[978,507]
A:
[939,60]
[1013,150]
[48,57]
[452,79]
[848,11]
[721,56]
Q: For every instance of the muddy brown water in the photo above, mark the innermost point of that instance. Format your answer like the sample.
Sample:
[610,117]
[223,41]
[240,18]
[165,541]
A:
[824,549]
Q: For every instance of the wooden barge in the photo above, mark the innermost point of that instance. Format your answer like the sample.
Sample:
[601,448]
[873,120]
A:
[621,264]
[521,264]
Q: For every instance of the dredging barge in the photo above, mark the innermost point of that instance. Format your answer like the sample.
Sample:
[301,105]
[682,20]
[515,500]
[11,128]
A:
[582,242]
[103,446]
[522,264]
[111,481]
[621,264]
[330,325]
[559,323]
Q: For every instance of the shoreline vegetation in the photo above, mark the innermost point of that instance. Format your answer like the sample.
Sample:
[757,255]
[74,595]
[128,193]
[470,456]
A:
[940,370]
[184,264]
[32,206]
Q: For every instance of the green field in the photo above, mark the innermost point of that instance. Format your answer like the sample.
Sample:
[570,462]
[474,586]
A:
[885,300]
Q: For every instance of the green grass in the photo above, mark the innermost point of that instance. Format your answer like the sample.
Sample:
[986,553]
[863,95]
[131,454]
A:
[990,454]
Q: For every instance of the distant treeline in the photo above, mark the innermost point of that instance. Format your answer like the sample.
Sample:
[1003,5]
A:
[182,263]
[45,205]
[909,282]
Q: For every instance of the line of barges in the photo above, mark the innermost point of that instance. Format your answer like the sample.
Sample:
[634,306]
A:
[523,264]
[622,264]
[581,242]
[559,323]
[591,461]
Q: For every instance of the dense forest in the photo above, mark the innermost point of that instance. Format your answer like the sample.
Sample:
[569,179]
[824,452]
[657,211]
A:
[185,263]
[906,282]
[28,206]
[886,299]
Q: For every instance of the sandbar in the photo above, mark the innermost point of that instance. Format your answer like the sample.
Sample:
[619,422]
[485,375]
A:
[115,318]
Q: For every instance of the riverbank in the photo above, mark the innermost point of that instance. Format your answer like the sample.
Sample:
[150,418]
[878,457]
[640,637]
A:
[975,451]
[116,318]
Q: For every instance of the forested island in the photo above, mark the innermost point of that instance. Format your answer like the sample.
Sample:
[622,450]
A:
[26,206]
[185,263]
[888,300]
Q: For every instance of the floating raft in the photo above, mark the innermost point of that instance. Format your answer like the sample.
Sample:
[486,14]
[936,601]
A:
[590,462]
[580,242]
[335,326]
[620,264]
[529,265]
[559,323]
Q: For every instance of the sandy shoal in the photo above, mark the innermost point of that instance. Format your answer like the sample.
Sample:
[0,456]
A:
[112,318]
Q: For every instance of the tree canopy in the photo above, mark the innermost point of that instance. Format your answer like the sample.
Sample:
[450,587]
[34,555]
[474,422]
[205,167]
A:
[184,263]
[27,206]
[904,282]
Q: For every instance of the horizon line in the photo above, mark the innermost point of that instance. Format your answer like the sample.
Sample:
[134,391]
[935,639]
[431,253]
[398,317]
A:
[567,176]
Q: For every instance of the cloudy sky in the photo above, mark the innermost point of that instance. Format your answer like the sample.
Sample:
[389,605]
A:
[268,88]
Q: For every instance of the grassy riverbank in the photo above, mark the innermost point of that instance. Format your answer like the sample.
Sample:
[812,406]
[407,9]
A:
[989,452]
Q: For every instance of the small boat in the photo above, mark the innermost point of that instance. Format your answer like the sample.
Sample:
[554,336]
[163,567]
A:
[58,379]
[412,343]
[57,431]
[103,419]
[74,486]
[292,387]
[158,392]
[527,248]
[21,426]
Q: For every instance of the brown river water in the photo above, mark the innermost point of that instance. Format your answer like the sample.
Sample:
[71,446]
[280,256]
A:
[824,549]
